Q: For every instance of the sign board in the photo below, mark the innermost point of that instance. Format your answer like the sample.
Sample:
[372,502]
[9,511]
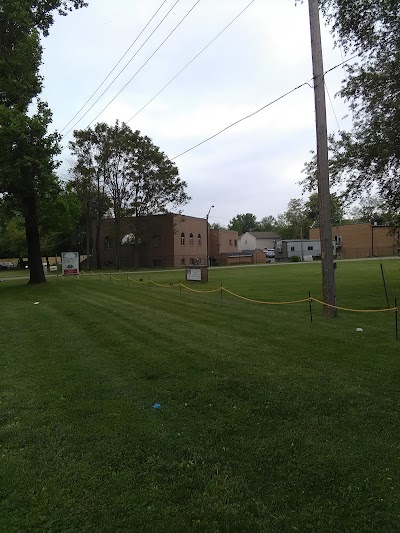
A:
[70,263]
[193,274]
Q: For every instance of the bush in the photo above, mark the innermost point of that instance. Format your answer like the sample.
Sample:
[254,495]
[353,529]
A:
[295,259]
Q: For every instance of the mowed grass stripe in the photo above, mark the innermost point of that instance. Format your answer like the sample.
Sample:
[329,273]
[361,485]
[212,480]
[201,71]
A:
[267,423]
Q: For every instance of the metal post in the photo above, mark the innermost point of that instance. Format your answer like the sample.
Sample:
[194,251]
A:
[324,200]
[208,255]
[310,303]
[396,312]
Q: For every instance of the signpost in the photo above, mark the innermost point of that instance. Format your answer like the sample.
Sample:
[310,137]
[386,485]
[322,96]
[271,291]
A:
[70,263]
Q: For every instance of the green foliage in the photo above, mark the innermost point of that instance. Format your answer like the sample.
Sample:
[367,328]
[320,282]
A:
[369,154]
[243,223]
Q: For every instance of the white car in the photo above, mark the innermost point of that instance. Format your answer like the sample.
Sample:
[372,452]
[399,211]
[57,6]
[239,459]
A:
[269,252]
[6,265]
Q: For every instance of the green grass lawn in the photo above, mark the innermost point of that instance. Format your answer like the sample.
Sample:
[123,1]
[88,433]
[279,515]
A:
[267,422]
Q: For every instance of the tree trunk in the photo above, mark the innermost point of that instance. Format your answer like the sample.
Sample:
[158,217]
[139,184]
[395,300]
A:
[36,273]
[97,244]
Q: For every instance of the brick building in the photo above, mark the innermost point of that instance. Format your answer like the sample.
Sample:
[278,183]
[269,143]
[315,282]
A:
[223,241]
[155,241]
[363,240]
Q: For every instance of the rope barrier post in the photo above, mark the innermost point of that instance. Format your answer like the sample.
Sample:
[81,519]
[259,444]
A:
[221,291]
[396,312]
[310,303]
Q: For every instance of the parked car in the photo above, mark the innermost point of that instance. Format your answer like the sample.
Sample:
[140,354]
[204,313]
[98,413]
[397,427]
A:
[6,265]
[269,252]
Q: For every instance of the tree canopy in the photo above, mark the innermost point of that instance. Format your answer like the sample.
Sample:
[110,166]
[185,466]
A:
[369,154]
[27,151]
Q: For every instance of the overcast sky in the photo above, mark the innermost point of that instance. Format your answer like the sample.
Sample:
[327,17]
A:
[253,167]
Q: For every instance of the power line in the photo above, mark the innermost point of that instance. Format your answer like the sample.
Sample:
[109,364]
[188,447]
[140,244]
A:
[333,109]
[191,61]
[118,75]
[241,120]
[115,66]
[145,63]
[258,110]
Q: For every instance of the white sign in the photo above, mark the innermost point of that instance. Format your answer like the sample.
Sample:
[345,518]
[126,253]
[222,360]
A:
[70,263]
[193,274]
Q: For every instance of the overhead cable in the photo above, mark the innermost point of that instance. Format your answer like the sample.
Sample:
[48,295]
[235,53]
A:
[115,66]
[258,110]
[191,61]
[106,89]
[145,63]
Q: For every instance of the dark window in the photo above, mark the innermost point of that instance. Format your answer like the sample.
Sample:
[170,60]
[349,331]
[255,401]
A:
[107,243]
[230,242]
[191,240]
[235,242]
[183,261]
[156,241]
[292,248]
[310,248]
[182,239]
[192,261]
[199,239]
[157,262]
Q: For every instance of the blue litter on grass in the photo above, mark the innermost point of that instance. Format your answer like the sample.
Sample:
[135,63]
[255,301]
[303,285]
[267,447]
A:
[157,406]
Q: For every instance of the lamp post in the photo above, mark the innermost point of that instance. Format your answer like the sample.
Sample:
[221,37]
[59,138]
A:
[208,257]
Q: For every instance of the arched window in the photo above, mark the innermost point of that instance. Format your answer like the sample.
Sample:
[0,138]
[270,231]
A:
[199,239]
[156,241]
[191,240]
[182,239]
[107,243]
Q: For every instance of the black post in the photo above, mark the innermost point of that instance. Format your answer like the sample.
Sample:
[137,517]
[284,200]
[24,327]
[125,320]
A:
[384,285]
[310,303]
[396,312]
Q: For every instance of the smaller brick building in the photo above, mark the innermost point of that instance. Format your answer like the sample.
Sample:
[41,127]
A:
[222,241]
[363,240]
[168,240]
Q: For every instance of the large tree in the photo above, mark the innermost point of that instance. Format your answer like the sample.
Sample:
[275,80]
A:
[27,151]
[128,176]
[243,223]
[368,155]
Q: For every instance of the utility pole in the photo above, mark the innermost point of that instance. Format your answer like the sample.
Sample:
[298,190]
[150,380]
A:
[324,197]
[208,253]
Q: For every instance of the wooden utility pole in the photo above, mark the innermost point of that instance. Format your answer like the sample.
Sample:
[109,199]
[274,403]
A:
[324,197]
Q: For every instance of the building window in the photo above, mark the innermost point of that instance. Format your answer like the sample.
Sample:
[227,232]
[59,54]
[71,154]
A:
[235,242]
[230,242]
[107,243]
[199,239]
[182,239]
[156,241]
[310,248]
[157,262]
[292,248]
[192,261]
[191,240]
[183,261]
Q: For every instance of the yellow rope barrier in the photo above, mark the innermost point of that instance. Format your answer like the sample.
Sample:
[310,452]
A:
[355,310]
[262,301]
[199,292]
[164,286]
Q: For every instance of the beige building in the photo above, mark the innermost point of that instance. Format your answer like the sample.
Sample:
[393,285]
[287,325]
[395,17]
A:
[363,240]
[155,241]
[223,241]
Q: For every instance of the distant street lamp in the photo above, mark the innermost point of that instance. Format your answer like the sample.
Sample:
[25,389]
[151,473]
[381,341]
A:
[208,255]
